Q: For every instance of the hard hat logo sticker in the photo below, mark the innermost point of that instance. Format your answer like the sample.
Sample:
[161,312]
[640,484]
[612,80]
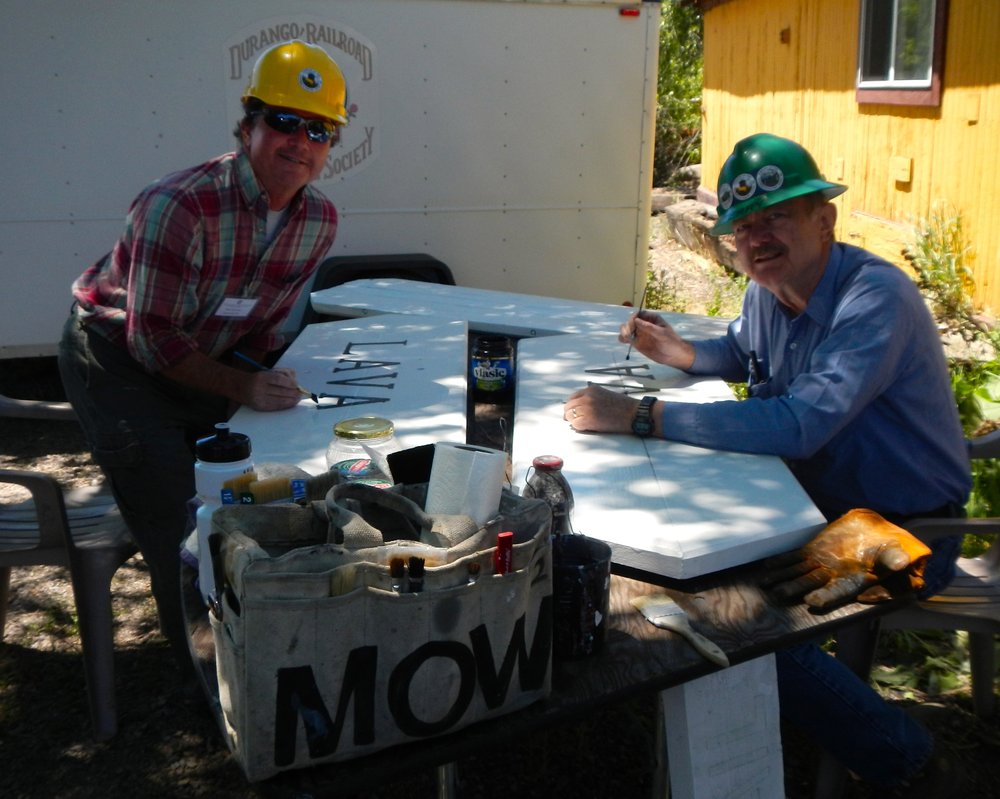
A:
[310,80]
[725,196]
[744,186]
[770,178]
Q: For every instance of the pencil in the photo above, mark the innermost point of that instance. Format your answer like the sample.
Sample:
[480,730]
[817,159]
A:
[642,304]
[261,368]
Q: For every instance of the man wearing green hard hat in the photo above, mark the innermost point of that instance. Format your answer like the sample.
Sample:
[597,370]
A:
[765,170]
[848,383]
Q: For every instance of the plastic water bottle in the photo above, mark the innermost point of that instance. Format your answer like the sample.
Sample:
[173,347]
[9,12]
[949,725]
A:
[219,458]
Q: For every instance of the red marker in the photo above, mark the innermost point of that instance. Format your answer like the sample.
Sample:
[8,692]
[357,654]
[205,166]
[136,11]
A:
[503,555]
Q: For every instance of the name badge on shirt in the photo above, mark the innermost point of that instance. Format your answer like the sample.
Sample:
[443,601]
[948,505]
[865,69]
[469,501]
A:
[236,307]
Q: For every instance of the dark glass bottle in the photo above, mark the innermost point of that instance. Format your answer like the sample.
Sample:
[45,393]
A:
[548,482]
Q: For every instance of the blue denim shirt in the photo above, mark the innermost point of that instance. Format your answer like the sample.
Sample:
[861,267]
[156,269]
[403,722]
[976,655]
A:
[855,392]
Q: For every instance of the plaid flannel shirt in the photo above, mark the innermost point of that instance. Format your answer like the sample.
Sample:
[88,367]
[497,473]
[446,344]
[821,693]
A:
[193,240]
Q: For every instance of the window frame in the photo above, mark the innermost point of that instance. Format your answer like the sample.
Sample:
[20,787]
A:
[899,95]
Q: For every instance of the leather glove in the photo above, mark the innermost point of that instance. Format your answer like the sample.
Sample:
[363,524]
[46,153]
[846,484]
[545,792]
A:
[860,556]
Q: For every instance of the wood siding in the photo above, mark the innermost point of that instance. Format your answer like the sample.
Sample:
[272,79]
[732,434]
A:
[788,67]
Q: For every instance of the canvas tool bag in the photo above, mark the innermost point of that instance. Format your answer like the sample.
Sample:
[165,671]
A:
[320,657]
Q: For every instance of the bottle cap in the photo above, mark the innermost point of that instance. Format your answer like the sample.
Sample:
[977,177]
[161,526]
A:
[493,343]
[363,427]
[547,463]
[223,447]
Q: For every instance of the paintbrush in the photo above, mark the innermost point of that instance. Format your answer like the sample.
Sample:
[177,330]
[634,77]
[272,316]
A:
[261,368]
[415,575]
[397,569]
[642,304]
[662,611]
[270,489]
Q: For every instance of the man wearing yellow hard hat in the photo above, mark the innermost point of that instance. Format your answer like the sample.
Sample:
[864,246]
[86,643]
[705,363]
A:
[210,263]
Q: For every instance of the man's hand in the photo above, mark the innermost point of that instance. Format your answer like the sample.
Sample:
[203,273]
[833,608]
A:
[271,390]
[657,340]
[860,556]
[599,410]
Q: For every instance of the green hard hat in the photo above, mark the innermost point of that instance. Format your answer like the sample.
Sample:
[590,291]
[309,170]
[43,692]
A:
[765,170]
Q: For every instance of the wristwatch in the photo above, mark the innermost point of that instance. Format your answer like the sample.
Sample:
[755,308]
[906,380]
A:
[642,422]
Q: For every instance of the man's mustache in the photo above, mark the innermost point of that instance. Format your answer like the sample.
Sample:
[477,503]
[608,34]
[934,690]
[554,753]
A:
[767,251]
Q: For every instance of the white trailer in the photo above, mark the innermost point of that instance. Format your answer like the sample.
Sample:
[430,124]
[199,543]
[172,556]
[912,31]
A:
[511,140]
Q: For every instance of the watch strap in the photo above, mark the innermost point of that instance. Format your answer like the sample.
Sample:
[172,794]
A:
[642,422]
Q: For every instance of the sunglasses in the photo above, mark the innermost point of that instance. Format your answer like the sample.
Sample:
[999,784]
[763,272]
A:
[317,130]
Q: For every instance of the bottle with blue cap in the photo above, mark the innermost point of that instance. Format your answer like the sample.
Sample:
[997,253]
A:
[218,458]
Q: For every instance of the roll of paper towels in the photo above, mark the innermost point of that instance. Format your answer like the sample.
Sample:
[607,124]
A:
[466,480]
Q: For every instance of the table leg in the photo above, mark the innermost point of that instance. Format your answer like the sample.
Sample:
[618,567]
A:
[447,782]
[723,734]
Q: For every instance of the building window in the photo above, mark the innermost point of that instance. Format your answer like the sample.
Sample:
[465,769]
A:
[901,51]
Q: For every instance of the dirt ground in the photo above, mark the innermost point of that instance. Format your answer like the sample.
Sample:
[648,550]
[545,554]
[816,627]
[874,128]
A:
[168,746]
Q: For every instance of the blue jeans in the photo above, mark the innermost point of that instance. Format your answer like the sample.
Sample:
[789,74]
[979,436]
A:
[846,716]
[141,430]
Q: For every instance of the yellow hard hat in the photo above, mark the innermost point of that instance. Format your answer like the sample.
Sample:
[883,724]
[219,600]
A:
[302,77]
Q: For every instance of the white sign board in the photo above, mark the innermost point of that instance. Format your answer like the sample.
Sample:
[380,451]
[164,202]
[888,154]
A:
[664,507]
[503,312]
[410,370]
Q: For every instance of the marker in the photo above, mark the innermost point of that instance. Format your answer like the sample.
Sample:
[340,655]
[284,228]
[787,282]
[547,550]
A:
[503,555]
[642,303]
[261,368]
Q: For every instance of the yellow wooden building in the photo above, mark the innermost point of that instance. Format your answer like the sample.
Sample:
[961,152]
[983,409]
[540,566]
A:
[909,136]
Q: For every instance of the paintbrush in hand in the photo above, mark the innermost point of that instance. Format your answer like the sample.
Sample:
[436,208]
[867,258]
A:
[642,304]
[261,368]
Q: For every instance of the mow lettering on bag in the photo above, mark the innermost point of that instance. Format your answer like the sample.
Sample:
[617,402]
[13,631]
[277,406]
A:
[298,697]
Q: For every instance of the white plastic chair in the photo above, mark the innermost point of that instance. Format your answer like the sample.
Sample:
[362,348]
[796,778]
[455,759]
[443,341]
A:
[83,531]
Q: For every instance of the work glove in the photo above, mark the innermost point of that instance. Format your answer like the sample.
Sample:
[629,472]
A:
[860,557]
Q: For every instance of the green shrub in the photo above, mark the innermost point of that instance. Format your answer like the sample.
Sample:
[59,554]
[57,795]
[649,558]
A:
[941,257]
[943,263]
[679,82]
[662,293]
